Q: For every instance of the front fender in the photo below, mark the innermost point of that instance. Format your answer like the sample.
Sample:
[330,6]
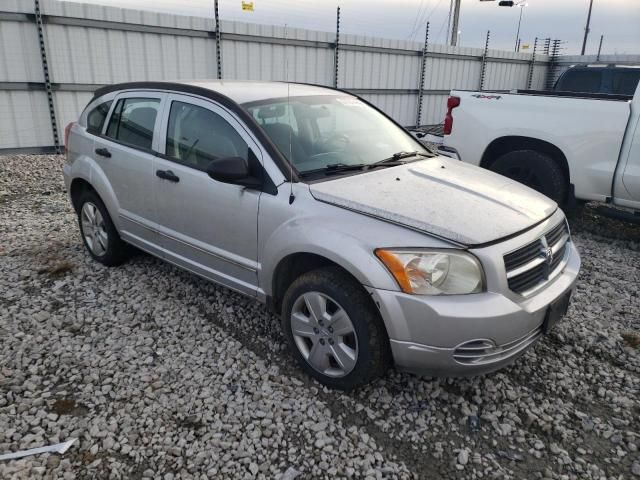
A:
[344,237]
[345,249]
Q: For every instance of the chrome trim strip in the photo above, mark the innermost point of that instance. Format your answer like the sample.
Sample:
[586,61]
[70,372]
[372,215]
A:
[501,351]
[525,268]
[560,243]
[188,244]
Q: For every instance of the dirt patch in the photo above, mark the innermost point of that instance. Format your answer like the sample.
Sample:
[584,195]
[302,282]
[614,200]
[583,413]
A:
[67,406]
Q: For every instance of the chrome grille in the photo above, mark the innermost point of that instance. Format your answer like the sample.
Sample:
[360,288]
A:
[535,263]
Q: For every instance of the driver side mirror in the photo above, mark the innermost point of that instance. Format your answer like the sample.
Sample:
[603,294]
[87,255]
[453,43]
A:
[234,170]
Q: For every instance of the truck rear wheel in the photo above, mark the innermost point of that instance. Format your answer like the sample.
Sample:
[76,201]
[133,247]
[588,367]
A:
[535,170]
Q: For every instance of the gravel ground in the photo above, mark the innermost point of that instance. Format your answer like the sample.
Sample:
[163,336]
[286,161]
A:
[162,375]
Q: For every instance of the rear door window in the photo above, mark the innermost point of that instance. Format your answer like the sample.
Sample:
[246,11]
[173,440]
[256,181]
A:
[97,116]
[133,120]
[584,81]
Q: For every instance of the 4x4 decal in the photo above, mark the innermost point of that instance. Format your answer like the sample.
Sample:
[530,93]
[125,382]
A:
[488,97]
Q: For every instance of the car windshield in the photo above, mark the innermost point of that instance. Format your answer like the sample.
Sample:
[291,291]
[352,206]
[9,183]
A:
[322,132]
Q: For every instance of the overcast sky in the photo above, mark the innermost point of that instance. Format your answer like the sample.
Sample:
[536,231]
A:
[617,20]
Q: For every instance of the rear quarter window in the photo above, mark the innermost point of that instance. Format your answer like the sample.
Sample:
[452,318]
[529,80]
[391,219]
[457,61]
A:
[97,116]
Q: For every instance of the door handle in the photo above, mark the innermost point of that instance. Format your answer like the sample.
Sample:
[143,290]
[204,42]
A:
[103,152]
[167,175]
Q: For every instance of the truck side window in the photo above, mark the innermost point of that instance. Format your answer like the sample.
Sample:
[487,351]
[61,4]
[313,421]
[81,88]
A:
[625,82]
[97,116]
[133,120]
[584,81]
[196,135]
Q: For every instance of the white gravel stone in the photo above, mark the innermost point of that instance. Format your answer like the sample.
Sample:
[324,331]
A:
[158,372]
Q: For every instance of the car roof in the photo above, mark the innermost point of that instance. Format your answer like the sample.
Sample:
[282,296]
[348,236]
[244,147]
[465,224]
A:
[604,67]
[238,91]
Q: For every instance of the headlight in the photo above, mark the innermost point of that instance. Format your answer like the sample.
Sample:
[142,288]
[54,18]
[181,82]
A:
[434,272]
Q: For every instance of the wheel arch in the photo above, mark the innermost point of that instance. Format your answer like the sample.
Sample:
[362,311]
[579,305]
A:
[77,188]
[292,266]
[502,145]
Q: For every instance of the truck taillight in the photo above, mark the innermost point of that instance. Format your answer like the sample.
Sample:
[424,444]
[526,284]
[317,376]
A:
[452,103]
[67,130]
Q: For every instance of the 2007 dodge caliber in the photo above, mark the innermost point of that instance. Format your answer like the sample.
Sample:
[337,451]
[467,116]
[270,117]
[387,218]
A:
[372,249]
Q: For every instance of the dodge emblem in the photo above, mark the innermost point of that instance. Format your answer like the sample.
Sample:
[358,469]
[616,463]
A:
[547,253]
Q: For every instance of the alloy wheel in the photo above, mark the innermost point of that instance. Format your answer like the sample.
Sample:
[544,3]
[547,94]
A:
[94,229]
[324,334]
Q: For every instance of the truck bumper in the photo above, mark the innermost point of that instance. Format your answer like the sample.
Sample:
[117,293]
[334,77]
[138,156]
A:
[464,335]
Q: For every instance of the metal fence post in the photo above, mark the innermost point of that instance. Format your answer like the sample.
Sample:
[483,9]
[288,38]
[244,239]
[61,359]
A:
[336,50]
[483,69]
[47,78]
[553,63]
[218,40]
[532,65]
[423,67]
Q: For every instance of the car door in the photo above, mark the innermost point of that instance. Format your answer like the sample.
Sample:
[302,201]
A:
[206,226]
[631,175]
[125,152]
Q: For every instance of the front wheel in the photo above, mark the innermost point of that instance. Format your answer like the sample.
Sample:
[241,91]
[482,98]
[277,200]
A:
[333,329]
[535,170]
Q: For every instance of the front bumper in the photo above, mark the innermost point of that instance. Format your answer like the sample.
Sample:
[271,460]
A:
[435,335]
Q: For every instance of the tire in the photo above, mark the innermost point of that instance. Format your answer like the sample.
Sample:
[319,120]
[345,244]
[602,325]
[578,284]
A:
[535,170]
[367,346]
[100,238]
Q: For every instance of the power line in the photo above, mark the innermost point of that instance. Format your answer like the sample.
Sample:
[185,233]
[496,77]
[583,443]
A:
[415,19]
[424,21]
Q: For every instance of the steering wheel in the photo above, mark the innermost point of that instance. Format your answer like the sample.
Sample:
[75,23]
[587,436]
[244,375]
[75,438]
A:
[335,140]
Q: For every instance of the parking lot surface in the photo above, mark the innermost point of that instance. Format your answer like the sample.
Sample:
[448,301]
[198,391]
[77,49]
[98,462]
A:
[159,374]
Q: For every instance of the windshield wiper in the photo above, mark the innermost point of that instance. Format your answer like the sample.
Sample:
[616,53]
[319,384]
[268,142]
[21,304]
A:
[334,168]
[396,158]
[392,161]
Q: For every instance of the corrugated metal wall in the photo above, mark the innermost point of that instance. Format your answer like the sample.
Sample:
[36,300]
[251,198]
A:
[91,45]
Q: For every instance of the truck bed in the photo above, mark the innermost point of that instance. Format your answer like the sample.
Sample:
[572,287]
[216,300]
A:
[552,93]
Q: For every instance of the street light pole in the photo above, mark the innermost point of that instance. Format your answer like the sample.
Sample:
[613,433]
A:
[454,26]
[449,21]
[586,29]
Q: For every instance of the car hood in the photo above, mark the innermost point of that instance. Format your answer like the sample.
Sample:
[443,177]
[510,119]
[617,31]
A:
[443,197]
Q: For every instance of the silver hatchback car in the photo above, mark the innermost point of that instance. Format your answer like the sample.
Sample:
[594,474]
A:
[371,248]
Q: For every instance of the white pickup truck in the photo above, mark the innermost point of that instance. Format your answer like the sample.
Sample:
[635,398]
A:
[569,146]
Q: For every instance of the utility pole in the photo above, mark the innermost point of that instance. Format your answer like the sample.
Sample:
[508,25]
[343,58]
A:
[454,26]
[517,46]
[599,48]
[449,20]
[586,29]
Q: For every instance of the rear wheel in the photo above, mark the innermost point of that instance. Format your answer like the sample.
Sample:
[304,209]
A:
[99,235]
[535,170]
[333,329]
